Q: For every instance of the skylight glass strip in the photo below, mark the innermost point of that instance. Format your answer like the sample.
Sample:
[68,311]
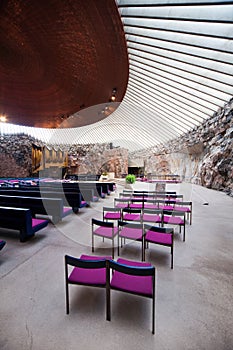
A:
[183,89]
[136,3]
[187,57]
[184,78]
[178,119]
[149,118]
[211,30]
[179,123]
[220,80]
[198,114]
[172,93]
[183,13]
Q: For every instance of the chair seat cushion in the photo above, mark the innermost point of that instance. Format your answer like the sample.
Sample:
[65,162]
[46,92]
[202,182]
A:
[173,220]
[158,237]
[67,211]
[150,206]
[131,233]
[136,205]
[83,204]
[113,216]
[134,284]
[151,218]
[132,217]
[185,209]
[89,276]
[167,207]
[38,224]
[105,231]
[121,205]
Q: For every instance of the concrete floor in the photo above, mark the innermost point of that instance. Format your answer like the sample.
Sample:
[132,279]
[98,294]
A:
[194,306]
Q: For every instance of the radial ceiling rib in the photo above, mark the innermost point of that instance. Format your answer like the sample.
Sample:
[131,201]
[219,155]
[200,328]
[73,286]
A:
[185,83]
[170,100]
[199,62]
[164,91]
[175,89]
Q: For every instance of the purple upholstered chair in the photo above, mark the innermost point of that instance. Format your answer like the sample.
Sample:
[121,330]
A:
[105,230]
[131,277]
[87,270]
[158,235]
[132,214]
[137,203]
[111,213]
[130,230]
[150,203]
[153,216]
[174,217]
[166,204]
[121,203]
[186,207]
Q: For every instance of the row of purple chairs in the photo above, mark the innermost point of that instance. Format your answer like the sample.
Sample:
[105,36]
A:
[182,206]
[122,275]
[151,195]
[143,233]
[161,217]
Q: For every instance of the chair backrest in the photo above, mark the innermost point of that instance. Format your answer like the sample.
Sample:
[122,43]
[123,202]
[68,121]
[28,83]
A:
[111,209]
[125,195]
[127,191]
[175,196]
[174,212]
[101,223]
[130,224]
[182,203]
[85,264]
[158,229]
[132,210]
[121,200]
[132,270]
[152,211]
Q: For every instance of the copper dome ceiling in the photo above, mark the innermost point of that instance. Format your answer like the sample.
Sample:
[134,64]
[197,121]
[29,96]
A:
[57,57]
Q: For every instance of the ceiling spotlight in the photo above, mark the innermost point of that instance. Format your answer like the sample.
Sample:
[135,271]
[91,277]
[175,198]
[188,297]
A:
[3,118]
[113,97]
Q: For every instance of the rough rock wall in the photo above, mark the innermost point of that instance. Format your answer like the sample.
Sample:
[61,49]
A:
[204,155]
[16,155]
[98,158]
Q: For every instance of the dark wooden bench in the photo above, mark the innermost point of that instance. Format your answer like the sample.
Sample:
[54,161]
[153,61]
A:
[71,199]
[44,206]
[20,219]
[87,194]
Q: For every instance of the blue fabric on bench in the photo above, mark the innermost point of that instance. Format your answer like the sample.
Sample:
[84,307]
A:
[66,211]
[2,243]
[71,199]
[20,219]
[45,206]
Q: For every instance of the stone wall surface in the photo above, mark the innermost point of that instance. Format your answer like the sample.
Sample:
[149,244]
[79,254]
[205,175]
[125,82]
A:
[98,158]
[203,156]
[16,155]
